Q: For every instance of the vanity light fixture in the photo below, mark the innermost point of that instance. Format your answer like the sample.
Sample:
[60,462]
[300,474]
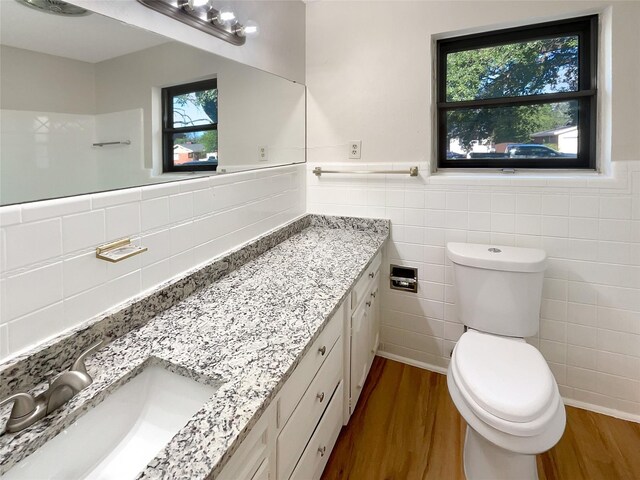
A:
[192,4]
[199,14]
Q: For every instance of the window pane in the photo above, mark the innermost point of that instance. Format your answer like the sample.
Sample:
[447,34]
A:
[196,149]
[195,108]
[532,131]
[527,68]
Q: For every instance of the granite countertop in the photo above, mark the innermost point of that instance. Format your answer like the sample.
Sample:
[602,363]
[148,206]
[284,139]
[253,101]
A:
[245,333]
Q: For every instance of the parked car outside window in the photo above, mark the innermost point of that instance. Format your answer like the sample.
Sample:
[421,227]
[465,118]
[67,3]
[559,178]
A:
[535,150]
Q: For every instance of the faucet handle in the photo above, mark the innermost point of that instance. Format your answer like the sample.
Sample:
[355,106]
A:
[23,404]
[78,365]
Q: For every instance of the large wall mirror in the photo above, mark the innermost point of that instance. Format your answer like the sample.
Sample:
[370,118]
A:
[82,102]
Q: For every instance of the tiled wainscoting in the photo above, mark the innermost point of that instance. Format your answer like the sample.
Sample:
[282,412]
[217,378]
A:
[50,279]
[590,228]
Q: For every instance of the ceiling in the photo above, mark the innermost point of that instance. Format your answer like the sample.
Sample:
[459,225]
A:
[92,38]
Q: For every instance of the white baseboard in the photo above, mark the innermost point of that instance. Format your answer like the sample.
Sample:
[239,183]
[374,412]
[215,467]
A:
[568,401]
[611,412]
[413,363]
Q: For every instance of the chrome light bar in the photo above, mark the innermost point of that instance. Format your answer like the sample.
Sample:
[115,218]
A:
[199,14]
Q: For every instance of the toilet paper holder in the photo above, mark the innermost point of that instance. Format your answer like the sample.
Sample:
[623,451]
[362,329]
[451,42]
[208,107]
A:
[403,278]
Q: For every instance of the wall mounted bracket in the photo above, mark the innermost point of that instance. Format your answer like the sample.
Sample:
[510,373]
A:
[119,250]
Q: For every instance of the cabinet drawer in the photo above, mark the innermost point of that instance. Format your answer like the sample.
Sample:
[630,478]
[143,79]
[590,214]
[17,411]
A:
[303,421]
[317,453]
[360,290]
[297,384]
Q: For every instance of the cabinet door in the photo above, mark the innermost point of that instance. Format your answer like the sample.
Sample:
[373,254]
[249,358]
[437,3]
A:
[374,318]
[360,347]
[263,471]
[255,457]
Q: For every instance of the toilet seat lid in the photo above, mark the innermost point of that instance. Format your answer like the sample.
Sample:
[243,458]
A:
[506,376]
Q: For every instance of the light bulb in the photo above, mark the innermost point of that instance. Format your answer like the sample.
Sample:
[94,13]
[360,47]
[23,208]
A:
[227,17]
[223,17]
[250,29]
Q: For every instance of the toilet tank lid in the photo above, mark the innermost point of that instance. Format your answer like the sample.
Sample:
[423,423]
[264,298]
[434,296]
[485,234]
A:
[497,257]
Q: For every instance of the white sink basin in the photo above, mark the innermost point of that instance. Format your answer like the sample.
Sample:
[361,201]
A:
[121,435]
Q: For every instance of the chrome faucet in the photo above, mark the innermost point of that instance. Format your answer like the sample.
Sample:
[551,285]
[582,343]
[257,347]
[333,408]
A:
[28,409]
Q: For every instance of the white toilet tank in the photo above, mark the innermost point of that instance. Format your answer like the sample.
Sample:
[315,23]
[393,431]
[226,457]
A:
[498,289]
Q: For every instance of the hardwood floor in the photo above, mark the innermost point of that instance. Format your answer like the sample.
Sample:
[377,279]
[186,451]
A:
[406,427]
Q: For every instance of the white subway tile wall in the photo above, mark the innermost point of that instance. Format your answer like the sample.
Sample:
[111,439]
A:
[50,279]
[590,315]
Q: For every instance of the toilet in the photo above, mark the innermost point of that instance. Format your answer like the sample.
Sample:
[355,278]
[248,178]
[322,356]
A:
[501,385]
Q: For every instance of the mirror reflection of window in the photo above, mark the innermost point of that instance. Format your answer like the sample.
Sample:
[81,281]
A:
[190,127]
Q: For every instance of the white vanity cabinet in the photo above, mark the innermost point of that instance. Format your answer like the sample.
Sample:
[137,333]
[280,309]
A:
[361,334]
[304,410]
[313,390]
[283,434]
[294,437]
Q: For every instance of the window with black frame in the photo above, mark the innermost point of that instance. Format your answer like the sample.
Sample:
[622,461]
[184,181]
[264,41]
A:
[190,127]
[522,97]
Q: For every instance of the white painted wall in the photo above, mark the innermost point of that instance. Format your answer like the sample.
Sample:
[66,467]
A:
[256,110]
[40,82]
[372,83]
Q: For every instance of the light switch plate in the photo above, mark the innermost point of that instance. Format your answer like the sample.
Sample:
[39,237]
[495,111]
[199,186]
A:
[354,149]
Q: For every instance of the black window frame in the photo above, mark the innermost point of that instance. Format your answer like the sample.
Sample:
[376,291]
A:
[586,28]
[168,130]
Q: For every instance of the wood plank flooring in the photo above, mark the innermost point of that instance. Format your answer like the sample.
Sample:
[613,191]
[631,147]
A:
[406,427]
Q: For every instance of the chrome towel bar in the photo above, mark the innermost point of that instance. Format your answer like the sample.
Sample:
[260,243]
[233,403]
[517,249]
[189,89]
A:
[413,171]
[102,144]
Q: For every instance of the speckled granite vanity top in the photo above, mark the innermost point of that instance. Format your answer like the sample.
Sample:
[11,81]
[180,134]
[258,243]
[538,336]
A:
[245,331]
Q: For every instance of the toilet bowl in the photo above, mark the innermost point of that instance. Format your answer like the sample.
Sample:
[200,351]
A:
[505,391]
[501,385]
